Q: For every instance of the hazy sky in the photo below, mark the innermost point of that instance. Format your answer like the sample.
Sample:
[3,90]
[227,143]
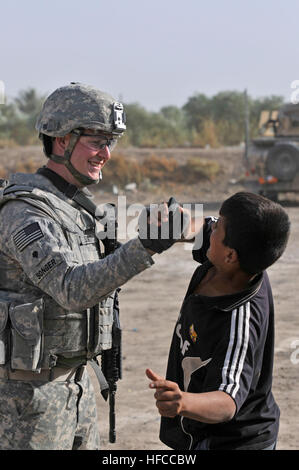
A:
[155,52]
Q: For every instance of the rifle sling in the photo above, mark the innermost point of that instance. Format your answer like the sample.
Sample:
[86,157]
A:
[101,378]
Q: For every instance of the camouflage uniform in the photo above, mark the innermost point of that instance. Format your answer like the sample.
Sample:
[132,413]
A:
[48,415]
[56,295]
[69,282]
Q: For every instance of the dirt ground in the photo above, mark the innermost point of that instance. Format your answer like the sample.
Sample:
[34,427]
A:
[150,305]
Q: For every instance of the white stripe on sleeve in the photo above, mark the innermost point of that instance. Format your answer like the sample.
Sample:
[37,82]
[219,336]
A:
[236,351]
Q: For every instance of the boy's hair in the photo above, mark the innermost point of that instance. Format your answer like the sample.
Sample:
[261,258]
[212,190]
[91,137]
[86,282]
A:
[257,228]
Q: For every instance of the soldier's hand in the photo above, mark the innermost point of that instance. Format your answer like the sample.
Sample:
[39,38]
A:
[160,227]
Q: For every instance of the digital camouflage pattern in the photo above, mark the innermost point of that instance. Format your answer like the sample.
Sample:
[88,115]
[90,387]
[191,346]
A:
[25,271]
[52,269]
[66,270]
[76,105]
[49,415]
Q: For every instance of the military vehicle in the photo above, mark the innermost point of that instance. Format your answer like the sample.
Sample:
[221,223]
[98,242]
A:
[272,159]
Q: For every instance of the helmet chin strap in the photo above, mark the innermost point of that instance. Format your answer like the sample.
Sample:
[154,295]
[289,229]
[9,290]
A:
[66,160]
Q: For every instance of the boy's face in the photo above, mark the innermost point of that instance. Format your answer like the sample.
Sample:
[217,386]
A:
[217,251]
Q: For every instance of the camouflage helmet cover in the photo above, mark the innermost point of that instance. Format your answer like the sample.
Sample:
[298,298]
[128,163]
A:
[80,106]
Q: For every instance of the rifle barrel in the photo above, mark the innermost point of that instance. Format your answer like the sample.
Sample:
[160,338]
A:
[112,432]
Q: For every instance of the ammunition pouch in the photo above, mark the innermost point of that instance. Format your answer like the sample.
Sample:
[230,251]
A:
[21,335]
[28,341]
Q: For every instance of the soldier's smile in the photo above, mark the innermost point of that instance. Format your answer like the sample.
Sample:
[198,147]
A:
[88,161]
[97,163]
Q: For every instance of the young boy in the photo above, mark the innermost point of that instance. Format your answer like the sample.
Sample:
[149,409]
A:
[219,376]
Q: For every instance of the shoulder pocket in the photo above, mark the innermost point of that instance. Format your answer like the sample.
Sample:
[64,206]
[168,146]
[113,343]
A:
[27,335]
[3,332]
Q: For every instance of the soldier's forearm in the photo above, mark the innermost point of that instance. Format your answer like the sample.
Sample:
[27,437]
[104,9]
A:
[84,285]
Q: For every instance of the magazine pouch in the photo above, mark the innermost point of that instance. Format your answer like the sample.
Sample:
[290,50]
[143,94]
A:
[26,335]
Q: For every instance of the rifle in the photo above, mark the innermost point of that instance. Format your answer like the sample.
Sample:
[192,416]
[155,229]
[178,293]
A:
[111,362]
[112,366]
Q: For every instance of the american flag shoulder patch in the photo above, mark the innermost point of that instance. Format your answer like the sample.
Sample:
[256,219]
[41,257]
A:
[27,235]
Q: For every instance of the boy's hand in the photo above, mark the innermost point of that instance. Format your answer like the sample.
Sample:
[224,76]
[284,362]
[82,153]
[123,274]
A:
[168,395]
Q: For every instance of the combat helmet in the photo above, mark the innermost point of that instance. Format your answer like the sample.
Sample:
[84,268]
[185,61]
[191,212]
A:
[71,109]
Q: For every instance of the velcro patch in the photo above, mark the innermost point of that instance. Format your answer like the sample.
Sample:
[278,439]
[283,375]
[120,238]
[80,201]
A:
[27,235]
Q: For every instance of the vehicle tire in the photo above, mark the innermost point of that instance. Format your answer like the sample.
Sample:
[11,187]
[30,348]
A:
[282,162]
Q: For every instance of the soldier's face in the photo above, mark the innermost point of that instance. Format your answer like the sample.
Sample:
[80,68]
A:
[88,158]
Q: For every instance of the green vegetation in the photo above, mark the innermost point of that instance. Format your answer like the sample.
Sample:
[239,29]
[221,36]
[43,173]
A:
[17,119]
[214,121]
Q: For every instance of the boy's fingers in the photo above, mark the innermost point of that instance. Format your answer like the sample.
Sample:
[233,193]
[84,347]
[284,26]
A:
[164,385]
[158,214]
[158,381]
[152,375]
[164,212]
[164,395]
[161,384]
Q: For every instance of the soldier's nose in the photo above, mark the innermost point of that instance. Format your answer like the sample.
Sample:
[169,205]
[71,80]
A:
[105,153]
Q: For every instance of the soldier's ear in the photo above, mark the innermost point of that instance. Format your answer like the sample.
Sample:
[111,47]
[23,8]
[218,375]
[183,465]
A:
[61,143]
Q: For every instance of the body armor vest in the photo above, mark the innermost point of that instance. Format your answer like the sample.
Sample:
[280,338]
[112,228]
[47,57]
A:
[35,331]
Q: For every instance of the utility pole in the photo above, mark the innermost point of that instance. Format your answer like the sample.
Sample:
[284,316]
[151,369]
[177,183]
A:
[246,129]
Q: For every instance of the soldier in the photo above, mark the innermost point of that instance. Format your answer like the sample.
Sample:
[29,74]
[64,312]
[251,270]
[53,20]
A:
[57,283]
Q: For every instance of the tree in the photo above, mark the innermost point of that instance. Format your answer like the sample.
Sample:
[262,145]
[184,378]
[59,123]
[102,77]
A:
[228,109]
[228,105]
[29,102]
[138,121]
[197,109]
[18,117]
[155,129]
[8,120]
[174,115]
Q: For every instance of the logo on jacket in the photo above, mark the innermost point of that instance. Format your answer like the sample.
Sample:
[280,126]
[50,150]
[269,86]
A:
[192,333]
[191,365]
